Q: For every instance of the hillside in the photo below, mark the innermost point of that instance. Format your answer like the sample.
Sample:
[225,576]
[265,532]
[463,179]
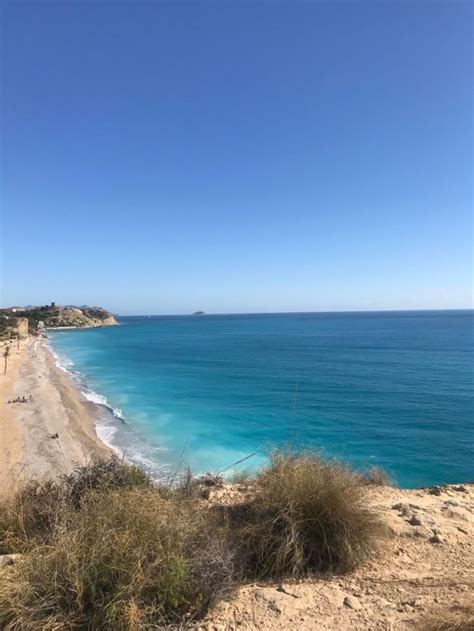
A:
[53,316]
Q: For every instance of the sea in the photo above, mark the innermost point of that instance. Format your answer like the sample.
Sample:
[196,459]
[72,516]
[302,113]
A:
[218,393]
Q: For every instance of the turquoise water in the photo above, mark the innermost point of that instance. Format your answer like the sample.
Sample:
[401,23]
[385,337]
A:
[390,389]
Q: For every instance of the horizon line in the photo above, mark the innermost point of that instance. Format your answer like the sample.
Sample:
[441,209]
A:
[205,313]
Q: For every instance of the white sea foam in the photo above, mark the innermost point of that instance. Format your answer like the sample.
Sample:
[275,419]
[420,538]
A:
[63,363]
[106,433]
[118,436]
[99,399]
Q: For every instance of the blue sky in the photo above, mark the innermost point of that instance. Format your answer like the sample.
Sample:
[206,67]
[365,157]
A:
[237,156]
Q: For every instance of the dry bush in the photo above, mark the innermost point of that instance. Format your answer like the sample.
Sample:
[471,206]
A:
[460,618]
[242,478]
[307,514]
[108,550]
[129,559]
[188,485]
[37,509]
[377,476]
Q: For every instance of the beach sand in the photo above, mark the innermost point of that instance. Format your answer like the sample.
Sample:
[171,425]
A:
[423,570]
[27,450]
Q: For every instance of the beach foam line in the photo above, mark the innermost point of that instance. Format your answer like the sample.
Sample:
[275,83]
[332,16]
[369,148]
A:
[63,363]
[99,399]
[119,437]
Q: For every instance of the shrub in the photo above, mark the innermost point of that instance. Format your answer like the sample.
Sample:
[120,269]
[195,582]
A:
[130,559]
[188,485]
[307,514]
[242,478]
[37,509]
[108,550]
[377,476]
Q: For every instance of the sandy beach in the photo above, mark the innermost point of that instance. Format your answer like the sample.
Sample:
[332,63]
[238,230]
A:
[27,450]
[423,570]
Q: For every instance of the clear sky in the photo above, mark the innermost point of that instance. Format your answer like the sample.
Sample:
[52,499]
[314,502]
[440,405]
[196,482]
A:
[237,156]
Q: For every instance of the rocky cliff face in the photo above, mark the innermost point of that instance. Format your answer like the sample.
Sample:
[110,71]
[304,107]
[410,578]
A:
[51,316]
[21,325]
[12,327]
[75,317]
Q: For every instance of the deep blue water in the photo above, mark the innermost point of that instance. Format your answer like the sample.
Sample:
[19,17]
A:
[393,389]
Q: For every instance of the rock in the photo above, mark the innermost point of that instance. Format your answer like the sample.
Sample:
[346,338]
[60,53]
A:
[461,489]
[415,521]
[436,539]
[463,530]
[421,532]
[352,603]
[435,490]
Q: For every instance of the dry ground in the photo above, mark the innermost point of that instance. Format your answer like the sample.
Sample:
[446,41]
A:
[424,571]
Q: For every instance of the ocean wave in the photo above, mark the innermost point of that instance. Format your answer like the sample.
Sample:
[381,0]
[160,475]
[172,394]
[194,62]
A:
[63,363]
[120,437]
[131,447]
[99,399]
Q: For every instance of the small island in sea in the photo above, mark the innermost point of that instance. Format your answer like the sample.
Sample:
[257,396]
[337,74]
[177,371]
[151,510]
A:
[199,313]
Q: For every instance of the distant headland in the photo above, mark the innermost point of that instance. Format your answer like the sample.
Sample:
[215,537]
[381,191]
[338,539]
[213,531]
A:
[19,321]
[197,313]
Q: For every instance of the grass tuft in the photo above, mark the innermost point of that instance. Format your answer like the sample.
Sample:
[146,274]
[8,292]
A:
[459,618]
[308,514]
[377,476]
[39,508]
[104,548]
[129,559]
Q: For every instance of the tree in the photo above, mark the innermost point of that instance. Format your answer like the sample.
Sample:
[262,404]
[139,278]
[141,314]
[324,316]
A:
[6,354]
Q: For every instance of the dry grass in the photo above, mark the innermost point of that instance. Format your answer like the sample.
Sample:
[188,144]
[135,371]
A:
[39,508]
[106,549]
[127,559]
[376,476]
[458,619]
[307,514]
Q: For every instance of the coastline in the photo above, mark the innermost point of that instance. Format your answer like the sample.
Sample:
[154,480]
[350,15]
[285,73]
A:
[27,450]
[428,558]
[60,404]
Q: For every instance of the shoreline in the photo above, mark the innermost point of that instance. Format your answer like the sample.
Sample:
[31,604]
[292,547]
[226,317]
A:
[58,405]
[27,449]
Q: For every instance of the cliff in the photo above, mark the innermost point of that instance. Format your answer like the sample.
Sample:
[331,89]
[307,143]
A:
[13,327]
[53,316]
[78,317]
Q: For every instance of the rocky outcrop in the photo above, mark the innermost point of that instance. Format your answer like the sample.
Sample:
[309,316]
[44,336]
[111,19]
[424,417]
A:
[78,317]
[22,327]
[52,316]
[12,327]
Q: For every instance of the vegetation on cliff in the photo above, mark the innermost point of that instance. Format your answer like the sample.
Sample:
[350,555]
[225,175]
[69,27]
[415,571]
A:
[105,548]
[53,316]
